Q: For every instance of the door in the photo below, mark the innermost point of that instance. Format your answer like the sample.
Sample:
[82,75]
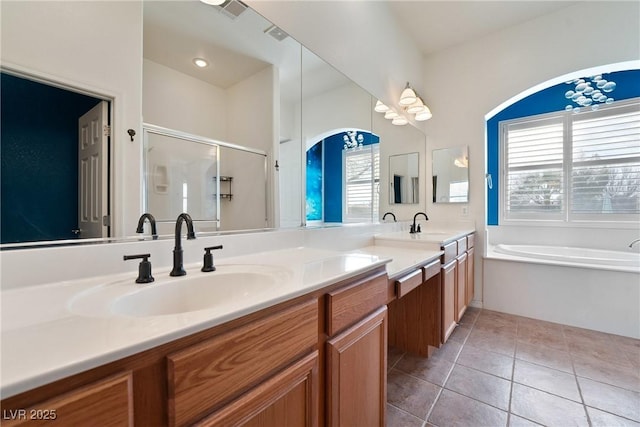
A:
[93,145]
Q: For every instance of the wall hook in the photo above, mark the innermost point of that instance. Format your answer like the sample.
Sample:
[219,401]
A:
[131,133]
[277,166]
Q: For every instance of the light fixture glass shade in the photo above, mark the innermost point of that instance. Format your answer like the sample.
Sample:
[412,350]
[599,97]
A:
[400,121]
[213,2]
[408,96]
[380,107]
[390,114]
[416,107]
[424,115]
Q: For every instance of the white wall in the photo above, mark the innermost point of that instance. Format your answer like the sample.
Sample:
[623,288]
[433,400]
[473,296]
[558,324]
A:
[95,46]
[177,101]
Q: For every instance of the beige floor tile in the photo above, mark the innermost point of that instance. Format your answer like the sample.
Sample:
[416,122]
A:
[516,421]
[399,418]
[460,333]
[546,379]
[393,356]
[486,361]
[604,419]
[478,385]
[549,357]
[492,342]
[454,410]
[434,369]
[545,408]
[612,399]
[609,373]
[410,394]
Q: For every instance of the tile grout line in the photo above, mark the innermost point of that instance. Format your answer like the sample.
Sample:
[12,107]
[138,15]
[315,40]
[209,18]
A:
[575,376]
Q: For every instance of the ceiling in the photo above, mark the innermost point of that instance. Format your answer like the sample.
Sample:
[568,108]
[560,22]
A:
[438,25]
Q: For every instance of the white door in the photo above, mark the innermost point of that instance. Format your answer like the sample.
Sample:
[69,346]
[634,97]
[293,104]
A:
[93,134]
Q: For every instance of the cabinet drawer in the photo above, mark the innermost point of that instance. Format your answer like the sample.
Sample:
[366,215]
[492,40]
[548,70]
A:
[407,283]
[431,269]
[104,403]
[462,245]
[347,305]
[471,240]
[203,376]
[450,252]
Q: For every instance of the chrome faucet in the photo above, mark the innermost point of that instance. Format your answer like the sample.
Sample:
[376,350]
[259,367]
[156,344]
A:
[416,228]
[152,223]
[178,269]
[389,213]
[633,243]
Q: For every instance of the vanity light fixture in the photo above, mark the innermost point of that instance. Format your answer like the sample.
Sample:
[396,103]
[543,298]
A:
[408,96]
[425,114]
[380,107]
[200,63]
[400,121]
[390,115]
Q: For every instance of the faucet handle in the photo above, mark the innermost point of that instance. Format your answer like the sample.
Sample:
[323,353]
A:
[208,259]
[144,269]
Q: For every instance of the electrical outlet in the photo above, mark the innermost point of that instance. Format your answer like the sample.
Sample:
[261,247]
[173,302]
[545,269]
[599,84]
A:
[464,211]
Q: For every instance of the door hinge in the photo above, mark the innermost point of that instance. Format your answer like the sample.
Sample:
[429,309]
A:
[107,130]
[106,220]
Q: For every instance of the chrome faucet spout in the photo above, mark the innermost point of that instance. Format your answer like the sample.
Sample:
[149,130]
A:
[152,223]
[178,268]
[634,242]
[416,228]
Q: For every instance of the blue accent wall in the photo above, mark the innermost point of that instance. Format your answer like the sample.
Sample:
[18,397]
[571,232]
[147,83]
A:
[545,101]
[331,174]
[38,160]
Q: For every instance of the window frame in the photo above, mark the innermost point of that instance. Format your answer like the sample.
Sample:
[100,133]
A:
[566,217]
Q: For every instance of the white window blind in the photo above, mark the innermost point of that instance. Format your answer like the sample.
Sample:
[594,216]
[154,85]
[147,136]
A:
[534,168]
[606,163]
[362,175]
[573,167]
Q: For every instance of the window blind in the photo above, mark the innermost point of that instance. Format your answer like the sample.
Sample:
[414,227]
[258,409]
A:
[362,174]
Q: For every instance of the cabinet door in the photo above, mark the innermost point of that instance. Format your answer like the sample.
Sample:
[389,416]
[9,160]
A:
[448,275]
[461,286]
[470,276]
[288,399]
[357,373]
[105,403]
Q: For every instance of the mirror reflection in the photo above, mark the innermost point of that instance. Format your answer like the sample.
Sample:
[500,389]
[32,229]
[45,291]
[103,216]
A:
[450,176]
[404,179]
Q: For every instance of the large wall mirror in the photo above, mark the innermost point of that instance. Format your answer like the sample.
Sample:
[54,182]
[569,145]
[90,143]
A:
[450,175]
[260,90]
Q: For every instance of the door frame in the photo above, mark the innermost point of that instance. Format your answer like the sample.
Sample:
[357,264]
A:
[83,89]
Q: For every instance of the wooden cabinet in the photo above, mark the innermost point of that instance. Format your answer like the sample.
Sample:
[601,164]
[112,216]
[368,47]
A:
[470,275]
[461,285]
[108,402]
[314,359]
[357,373]
[448,280]
[288,399]
[207,375]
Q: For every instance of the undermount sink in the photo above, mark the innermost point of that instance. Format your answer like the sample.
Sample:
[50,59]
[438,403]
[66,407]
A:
[229,285]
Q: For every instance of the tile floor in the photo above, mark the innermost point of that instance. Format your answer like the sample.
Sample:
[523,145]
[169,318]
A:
[498,369]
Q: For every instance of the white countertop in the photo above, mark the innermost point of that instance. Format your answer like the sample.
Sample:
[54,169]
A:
[433,238]
[45,337]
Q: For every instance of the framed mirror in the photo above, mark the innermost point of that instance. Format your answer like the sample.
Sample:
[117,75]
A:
[404,181]
[450,176]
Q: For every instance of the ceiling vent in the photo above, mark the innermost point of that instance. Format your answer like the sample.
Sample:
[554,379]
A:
[276,33]
[232,8]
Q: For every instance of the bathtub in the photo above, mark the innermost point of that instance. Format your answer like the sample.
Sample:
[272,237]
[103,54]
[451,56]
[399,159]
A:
[588,288]
[587,257]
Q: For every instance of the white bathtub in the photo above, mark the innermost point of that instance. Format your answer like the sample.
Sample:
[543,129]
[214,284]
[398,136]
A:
[587,288]
[594,258]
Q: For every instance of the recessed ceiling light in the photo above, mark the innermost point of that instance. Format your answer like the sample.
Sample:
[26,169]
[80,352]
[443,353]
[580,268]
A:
[213,2]
[200,62]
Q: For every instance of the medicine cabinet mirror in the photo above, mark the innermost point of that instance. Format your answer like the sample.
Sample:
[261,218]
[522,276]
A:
[450,175]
